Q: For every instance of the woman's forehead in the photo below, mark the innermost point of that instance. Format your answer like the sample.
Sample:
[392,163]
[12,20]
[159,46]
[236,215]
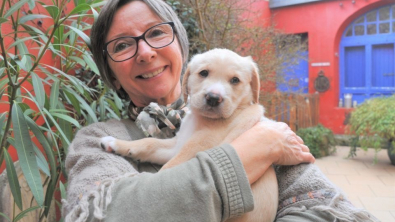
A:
[132,19]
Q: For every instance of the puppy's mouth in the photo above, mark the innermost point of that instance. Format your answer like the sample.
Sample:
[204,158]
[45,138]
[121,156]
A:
[151,74]
[212,112]
[210,108]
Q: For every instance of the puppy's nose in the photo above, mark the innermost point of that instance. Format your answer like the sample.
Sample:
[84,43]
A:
[213,99]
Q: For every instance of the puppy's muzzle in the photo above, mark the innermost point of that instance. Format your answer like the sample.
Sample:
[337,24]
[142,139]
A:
[213,99]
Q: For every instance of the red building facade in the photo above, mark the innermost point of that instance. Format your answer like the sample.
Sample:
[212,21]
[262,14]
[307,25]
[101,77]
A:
[350,42]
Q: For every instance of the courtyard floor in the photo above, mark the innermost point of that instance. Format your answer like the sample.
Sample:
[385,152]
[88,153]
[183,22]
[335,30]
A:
[367,185]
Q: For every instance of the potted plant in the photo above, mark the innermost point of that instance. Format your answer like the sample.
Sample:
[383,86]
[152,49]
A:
[373,121]
[319,139]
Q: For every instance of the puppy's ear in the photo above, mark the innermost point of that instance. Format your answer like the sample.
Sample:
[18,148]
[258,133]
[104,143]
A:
[185,92]
[255,82]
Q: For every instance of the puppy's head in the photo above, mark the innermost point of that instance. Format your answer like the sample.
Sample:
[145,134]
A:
[220,81]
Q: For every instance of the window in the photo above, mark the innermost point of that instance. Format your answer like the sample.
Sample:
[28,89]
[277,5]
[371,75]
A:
[295,74]
[374,22]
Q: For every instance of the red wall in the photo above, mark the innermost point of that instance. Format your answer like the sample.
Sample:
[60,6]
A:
[47,59]
[325,23]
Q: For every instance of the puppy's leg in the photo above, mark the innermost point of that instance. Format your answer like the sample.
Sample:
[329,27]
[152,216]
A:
[152,150]
[265,192]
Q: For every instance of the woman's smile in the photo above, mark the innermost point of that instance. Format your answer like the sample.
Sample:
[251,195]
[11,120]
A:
[151,74]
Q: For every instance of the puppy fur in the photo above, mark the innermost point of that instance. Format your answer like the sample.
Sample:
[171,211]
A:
[222,90]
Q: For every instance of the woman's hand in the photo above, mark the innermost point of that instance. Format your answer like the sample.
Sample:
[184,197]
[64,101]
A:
[268,143]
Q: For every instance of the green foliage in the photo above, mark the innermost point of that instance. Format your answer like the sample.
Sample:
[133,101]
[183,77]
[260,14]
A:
[186,14]
[375,117]
[48,102]
[319,139]
[371,121]
[13,179]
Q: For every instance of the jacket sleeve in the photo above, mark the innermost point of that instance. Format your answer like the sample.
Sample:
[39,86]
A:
[102,186]
[306,194]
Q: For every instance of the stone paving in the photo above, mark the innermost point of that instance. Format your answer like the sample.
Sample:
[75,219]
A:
[367,185]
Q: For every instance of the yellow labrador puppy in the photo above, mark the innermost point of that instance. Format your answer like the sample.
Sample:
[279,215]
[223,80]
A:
[223,91]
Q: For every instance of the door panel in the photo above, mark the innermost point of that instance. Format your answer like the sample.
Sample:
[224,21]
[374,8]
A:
[383,65]
[355,67]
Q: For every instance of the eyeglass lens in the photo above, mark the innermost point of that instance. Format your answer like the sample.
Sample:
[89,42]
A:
[157,37]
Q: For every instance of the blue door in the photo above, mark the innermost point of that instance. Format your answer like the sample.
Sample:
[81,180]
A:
[354,57]
[383,66]
[367,55]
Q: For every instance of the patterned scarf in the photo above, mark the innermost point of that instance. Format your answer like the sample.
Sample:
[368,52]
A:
[158,121]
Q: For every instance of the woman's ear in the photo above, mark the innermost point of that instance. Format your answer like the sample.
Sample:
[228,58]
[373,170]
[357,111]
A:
[184,86]
[118,89]
[116,83]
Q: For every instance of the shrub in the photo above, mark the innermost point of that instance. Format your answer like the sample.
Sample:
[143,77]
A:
[371,122]
[319,139]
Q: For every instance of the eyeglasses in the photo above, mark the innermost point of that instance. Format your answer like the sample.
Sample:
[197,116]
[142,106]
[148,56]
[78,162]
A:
[124,48]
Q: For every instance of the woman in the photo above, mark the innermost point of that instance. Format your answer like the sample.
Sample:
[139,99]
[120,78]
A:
[213,186]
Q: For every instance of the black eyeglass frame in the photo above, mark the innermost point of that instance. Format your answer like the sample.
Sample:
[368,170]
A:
[137,39]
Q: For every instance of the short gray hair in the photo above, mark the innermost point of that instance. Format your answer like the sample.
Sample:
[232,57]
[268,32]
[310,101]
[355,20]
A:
[103,24]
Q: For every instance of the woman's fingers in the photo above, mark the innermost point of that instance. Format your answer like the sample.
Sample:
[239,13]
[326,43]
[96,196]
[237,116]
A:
[307,157]
[292,138]
[299,139]
[294,151]
[305,148]
[305,154]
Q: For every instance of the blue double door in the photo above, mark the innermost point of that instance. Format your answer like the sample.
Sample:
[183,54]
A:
[367,55]
[369,71]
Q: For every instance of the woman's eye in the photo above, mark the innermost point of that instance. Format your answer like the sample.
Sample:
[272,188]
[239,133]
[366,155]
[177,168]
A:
[203,73]
[235,80]
[155,33]
[120,47]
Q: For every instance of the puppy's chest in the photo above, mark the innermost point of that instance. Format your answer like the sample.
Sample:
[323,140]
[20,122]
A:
[210,133]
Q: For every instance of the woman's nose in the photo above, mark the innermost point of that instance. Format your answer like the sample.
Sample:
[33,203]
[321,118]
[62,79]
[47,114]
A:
[145,52]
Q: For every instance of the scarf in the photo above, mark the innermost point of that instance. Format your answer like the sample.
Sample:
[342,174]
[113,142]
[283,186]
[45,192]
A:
[158,121]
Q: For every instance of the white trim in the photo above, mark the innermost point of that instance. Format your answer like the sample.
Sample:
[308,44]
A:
[320,64]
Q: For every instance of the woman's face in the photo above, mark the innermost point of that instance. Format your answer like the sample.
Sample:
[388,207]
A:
[152,75]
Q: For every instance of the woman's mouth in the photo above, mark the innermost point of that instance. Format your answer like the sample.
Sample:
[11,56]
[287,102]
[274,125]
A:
[151,74]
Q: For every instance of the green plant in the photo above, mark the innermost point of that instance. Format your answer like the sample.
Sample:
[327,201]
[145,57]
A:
[188,19]
[319,139]
[45,102]
[372,121]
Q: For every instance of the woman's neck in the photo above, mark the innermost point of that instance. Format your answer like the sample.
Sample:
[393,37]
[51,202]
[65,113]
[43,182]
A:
[170,98]
[162,101]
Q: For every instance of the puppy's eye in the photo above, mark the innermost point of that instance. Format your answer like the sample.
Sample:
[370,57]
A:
[235,80]
[203,73]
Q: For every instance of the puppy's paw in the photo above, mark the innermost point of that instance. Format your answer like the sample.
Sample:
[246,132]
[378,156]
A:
[108,144]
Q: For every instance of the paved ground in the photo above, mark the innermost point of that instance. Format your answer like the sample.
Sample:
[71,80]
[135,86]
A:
[370,186]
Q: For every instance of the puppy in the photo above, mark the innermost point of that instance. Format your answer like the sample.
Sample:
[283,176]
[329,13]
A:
[223,91]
